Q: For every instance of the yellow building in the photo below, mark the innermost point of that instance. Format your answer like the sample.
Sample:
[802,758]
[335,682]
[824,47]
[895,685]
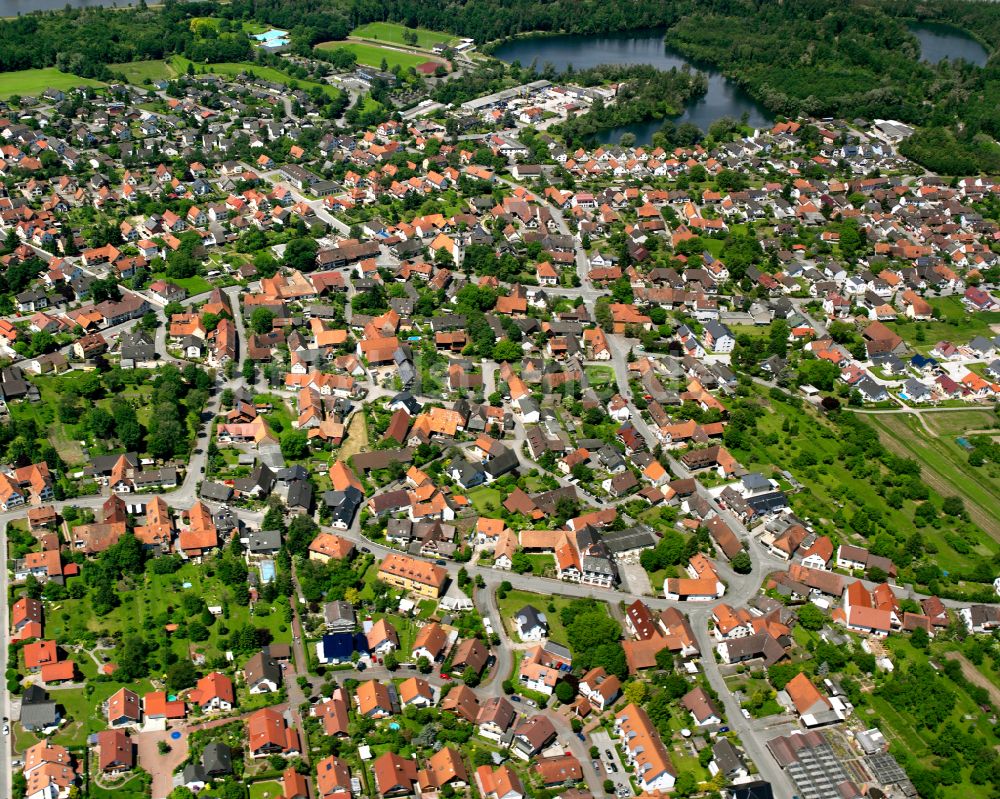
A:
[417,576]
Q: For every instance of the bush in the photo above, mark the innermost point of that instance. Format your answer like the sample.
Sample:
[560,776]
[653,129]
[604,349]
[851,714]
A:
[741,563]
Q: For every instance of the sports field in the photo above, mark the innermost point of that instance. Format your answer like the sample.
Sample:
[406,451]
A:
[394,33]
[371,55]
[36,81]
[138,72]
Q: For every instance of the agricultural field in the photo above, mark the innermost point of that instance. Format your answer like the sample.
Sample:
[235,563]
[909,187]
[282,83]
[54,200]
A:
[372,55]
[36,81]
[180,64]
[946,460]
[139,72]
[794,437]
[394,33]
[907,731]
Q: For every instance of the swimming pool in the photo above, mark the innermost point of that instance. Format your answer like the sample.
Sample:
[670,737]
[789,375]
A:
[272,38]
[266,571]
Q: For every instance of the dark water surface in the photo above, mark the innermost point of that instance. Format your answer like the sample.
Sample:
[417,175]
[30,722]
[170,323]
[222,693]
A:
[724,98]
[938,42]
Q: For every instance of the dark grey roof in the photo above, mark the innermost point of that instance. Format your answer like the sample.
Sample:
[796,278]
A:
[39,715]
[33,694]
[411,403]
[530,617]
[505,461]
[261,477]
[137,346]
[639,537]
[468,474]
[264,541]
[727,757]
[217,759]
[290,473]
[103,464]
[344,504]
[218,492]
[753,790]
[194,772]
[339,611]
[300,494]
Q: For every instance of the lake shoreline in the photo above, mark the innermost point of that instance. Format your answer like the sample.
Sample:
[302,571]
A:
[724,96]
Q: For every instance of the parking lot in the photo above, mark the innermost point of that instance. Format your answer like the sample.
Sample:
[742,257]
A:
[635,579]
[611,761]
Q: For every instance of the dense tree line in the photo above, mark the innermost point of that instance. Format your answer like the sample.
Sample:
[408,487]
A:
[486,20]
[84,41]
[854,58]
[645,93]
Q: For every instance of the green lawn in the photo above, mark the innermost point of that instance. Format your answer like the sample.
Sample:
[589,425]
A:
[267,789]
[193,285]
[487,501]
[156,602]
[515,600]
[599,375]
[138,72]
[131,789]
[406,629]
[66,437]
[542,562]
[36,81]
[955,323]
[279,412]
[393,33]
[372,55]
[231,69]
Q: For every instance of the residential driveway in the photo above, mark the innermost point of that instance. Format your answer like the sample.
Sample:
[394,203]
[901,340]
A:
[636,579]
[161,767]
[613,767]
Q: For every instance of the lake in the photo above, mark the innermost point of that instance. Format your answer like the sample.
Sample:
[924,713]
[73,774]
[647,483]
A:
[938,42]
[724,98]
[11,8]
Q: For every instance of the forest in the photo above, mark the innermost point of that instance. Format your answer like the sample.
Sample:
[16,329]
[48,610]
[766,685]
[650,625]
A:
[844,58]
[645,93]
[849,59]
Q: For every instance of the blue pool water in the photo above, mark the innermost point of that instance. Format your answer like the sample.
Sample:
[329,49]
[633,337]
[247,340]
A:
[267,571]
[272,38]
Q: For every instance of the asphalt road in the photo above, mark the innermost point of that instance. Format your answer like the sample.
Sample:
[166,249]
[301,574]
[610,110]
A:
[740,588]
